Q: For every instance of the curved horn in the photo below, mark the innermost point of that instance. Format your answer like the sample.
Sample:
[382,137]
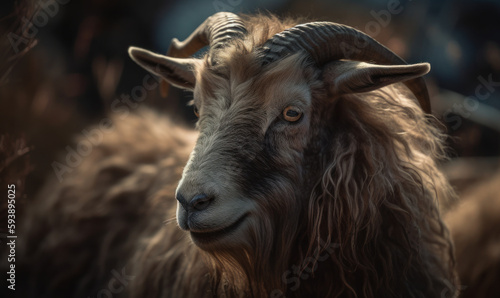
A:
[215,31]
[327,41]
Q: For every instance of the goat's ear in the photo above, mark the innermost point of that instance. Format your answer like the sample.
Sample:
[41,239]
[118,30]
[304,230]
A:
[345,77]
[176,71]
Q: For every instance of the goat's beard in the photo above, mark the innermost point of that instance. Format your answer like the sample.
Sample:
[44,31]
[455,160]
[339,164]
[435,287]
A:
[256,266]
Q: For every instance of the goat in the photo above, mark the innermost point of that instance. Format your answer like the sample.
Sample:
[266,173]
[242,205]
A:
[312,173]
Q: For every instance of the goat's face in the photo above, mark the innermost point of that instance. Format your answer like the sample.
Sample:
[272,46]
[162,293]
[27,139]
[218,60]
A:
[245,174]
[264,119]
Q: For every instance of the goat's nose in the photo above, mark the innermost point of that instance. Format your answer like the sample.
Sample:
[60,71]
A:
[200,202]
[197,203]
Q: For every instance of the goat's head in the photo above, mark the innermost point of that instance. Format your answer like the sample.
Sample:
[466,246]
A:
[267,125]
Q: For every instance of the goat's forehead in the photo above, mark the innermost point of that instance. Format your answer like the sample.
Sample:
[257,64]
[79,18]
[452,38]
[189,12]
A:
[264,87]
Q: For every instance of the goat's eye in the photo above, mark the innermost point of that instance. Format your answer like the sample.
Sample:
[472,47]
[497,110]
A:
[196,112]
[292,114]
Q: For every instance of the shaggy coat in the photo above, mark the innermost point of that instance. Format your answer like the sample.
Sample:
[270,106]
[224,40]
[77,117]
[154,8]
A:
[475,228]
[344,204]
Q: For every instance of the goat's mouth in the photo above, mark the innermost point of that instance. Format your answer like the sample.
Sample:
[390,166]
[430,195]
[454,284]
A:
[204,238]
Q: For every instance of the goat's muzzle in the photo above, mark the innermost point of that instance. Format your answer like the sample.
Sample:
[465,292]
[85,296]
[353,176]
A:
[191,208]
[212,217]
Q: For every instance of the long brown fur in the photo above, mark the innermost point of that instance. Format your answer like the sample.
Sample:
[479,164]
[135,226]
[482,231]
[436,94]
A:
[365,222]
[475,228]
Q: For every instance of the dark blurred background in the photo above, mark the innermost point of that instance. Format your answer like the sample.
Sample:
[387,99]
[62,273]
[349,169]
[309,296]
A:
[63,63]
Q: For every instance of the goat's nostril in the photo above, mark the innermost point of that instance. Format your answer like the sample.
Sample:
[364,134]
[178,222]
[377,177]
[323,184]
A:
[201,202]
[182,201]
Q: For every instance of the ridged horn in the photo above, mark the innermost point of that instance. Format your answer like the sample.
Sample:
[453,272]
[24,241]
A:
[214,32]
[327,41]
